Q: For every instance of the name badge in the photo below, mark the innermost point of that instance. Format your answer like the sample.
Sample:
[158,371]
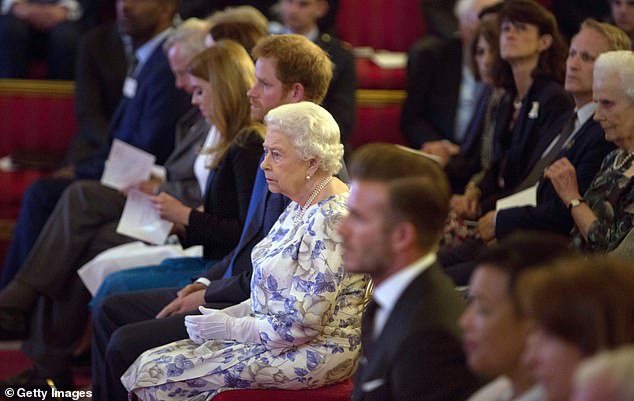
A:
[129,87]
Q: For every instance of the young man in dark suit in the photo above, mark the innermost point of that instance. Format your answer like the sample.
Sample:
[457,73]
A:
[302,17]
[398,204]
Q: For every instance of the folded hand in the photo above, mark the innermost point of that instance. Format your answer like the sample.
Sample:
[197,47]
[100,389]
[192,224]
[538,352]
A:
[211,325]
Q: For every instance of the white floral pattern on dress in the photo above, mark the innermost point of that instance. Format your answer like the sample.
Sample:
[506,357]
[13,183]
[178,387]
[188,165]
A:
[307,310]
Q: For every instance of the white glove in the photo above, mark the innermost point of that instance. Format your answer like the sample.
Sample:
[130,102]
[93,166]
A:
[211,325]
[240,310]
[215,324]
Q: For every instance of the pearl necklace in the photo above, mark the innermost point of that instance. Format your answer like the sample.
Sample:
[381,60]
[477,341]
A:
[619,164]
[320,187]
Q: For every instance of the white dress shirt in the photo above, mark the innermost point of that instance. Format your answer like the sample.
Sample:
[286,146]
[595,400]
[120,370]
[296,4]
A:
[389,291]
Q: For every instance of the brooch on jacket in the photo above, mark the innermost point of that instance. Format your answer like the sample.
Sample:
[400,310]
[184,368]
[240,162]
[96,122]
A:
[534,111]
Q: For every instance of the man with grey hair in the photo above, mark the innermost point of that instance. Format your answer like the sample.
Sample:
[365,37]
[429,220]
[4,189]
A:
[441,89]
[606,376]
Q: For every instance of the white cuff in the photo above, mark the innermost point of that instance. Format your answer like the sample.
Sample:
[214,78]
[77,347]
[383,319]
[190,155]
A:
[203,280]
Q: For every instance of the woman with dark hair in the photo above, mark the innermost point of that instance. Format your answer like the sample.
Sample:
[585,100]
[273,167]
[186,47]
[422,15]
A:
[580,307]
[531,70]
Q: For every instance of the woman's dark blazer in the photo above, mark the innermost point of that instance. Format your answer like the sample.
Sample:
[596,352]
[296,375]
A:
[537,124]
[226,198]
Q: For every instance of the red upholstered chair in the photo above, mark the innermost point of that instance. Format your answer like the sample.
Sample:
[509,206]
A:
[37,119]
[382,25]
[335,392]
[371,76]
[378,117]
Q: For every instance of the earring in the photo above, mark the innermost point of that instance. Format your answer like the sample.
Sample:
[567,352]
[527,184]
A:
[307,177]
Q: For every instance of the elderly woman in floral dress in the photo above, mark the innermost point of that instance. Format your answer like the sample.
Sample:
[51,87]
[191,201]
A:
[301,326]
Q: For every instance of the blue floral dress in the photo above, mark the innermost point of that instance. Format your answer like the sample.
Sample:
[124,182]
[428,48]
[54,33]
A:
[307,310]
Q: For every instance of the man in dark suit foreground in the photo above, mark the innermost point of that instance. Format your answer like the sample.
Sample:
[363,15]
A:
[411,343]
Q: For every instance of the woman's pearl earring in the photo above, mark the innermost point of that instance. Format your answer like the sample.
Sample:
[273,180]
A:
[307,177]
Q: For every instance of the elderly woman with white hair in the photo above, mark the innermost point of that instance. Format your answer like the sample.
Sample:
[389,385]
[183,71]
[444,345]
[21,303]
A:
[301,326]
[605,214]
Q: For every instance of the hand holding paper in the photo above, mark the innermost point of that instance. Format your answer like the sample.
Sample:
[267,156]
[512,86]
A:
[170,208]
[126,166]
[150,187]
[141,220]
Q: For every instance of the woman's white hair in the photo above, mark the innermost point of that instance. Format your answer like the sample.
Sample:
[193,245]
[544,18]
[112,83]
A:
[619,63]
[617,365]
[312,130]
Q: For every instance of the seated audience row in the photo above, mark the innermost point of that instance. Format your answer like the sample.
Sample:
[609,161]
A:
[122,320]
[574,139]
[16,297]
[533,316]
[284,307]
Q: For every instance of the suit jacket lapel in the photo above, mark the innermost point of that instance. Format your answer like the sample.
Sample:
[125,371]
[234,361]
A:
[565,151]
[580,132]
[395,327]
[188,133]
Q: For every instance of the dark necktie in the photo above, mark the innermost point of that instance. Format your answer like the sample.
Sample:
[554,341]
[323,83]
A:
[367,327]
[133,63]
[555,149]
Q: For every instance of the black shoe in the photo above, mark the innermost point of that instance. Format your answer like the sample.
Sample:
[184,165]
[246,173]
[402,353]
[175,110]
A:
[13,324]
[36,378]
[82,360]
[28,377]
